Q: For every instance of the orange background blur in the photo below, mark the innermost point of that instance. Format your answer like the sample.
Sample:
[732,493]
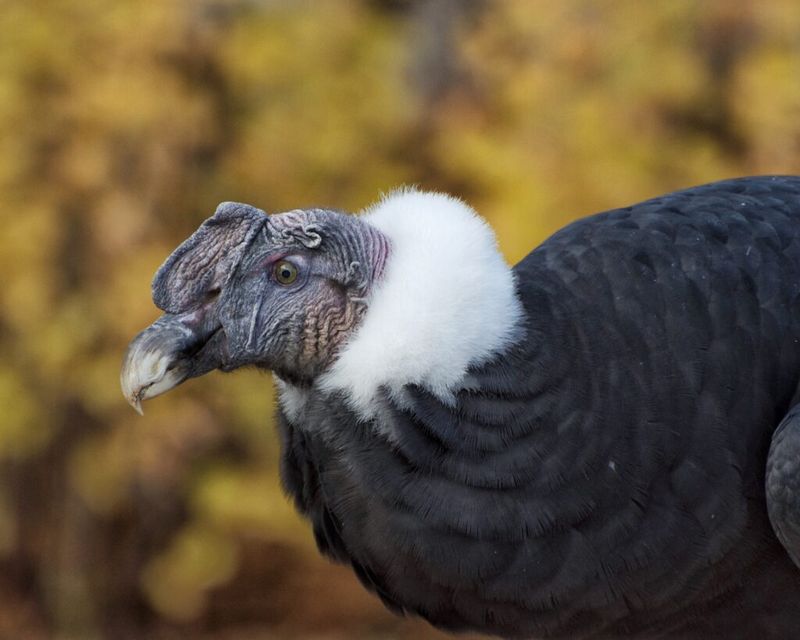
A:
[123,124]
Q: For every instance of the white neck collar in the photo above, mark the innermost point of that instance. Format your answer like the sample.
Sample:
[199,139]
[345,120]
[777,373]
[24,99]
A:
[446,302]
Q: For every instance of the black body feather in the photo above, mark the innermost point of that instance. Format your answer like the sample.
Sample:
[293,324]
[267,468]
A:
[604,477]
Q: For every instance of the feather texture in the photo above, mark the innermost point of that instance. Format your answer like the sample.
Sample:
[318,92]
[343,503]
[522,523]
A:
[446,303]
[601,475]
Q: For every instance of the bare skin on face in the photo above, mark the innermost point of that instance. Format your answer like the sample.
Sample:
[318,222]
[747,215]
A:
[326,328]
[228,298]
[354,255]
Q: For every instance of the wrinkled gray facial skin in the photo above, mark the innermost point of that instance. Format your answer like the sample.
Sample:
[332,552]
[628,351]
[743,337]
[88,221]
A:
[227,306]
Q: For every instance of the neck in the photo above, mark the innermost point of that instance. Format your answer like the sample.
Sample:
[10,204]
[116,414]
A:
[441,301]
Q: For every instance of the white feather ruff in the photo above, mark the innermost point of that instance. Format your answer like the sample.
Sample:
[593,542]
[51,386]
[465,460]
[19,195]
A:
[292,399]
[447,301]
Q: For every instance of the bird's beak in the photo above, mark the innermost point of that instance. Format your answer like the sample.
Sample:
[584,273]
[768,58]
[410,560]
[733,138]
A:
[162,356]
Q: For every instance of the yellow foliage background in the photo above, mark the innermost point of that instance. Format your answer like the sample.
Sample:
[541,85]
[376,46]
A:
[123,124]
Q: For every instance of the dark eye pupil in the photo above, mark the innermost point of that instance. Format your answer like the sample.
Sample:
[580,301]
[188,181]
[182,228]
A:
[286,273]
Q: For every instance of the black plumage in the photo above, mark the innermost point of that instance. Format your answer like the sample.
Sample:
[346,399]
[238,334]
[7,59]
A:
[611,473]
[606,478]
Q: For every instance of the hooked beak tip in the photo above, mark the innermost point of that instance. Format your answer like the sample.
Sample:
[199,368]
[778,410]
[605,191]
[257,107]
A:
[132,388]
[136,402]
[152,366]
[162,356]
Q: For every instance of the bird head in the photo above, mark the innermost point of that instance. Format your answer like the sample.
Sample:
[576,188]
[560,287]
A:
[280,292]
[412,292]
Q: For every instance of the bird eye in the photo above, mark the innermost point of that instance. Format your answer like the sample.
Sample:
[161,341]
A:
[285,272]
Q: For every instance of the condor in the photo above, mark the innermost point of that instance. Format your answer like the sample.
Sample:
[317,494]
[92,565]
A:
[600,442]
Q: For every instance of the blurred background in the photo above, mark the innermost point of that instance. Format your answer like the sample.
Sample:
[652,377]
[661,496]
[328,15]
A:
[123,124]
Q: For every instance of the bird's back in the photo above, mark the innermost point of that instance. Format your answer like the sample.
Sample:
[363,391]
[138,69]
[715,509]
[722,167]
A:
[686,307]
[688,300]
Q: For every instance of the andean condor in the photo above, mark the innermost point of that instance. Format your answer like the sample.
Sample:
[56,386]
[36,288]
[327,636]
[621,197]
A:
[600,442]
